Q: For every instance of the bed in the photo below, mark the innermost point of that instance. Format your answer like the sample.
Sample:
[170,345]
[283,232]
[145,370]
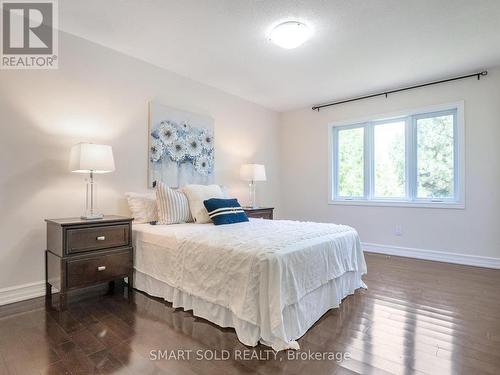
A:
[269,280]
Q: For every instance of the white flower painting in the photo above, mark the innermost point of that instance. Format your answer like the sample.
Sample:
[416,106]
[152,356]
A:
[156,150]
[178,150]
[181,147]
[207,138]
[194,145]
[167,132]
[202,165]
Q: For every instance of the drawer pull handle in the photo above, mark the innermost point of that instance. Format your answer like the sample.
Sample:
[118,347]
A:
[101,238]
[101,268]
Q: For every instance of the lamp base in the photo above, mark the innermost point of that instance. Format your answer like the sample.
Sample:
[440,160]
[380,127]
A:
[93,216]
[90,213]
[251,186]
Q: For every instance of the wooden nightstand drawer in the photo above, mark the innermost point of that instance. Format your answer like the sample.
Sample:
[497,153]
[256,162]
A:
[259,213]
[96,238]
[87,271]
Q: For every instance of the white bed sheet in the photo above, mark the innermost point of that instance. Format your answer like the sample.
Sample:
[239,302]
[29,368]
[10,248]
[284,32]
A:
[270,280]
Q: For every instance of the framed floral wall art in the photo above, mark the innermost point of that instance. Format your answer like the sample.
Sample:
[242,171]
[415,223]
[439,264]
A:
[181,147]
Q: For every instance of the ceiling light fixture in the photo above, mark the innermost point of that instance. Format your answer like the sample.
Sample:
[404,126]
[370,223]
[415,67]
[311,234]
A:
[290,34]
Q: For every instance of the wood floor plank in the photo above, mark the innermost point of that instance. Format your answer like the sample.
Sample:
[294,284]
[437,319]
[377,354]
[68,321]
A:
[87,341]
[57,368]
[416,317]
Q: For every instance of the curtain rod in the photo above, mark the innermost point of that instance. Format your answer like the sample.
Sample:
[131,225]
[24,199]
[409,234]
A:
[478,75]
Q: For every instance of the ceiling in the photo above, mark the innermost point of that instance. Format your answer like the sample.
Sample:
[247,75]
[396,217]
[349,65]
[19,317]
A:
[358,46]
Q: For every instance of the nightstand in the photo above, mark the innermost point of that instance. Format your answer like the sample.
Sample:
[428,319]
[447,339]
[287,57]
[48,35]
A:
[259,212]
[82,253]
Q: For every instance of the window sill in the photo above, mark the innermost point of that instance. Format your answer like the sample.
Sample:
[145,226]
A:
[452,205]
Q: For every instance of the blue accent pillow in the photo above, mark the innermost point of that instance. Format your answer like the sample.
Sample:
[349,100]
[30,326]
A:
[225,211]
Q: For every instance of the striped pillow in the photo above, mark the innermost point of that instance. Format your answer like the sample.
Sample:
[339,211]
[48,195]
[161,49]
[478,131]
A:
[225,211]
[173,206]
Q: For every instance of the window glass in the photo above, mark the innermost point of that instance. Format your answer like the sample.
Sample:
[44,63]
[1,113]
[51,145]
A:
[389,163]
[351,162]
[435,157]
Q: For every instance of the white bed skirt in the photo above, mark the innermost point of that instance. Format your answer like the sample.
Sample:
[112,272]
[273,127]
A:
[297,318]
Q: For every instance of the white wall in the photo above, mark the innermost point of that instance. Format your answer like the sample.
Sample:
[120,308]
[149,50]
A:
[473,231]
[102,96]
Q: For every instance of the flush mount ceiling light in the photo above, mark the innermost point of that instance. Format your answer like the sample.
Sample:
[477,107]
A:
[290,34]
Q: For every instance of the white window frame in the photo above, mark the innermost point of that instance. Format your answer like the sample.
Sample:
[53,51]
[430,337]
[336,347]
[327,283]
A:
[410,117]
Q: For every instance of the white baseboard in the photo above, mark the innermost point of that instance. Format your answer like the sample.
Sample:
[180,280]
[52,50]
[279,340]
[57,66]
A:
[21,292]
[439,256]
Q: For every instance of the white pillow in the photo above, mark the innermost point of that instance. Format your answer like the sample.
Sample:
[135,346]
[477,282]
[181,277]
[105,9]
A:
[224,190]
[196,194]
[173,206]
[142,206]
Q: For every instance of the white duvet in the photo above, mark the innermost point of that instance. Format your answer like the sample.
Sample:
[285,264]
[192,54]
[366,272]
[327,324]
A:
[254,269]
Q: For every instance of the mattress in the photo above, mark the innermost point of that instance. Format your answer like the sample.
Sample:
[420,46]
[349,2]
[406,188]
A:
[270,280]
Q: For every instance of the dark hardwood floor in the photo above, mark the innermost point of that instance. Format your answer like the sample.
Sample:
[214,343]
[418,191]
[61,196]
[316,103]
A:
[417,317]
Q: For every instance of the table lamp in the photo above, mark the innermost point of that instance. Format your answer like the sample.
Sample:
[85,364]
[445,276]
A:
[93,159]
[252,173]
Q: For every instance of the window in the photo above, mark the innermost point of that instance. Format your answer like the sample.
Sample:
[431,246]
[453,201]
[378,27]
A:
[411,159]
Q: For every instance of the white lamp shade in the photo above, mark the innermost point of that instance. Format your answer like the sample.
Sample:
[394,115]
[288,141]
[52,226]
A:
[253,172]
[89,157]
